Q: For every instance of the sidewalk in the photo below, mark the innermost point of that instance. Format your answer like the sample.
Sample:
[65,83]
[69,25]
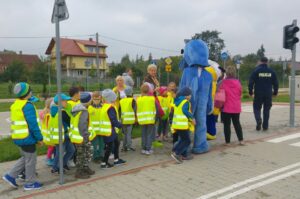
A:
[157,176]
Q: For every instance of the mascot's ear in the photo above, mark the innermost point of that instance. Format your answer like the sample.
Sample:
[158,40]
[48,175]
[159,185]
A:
[196,53]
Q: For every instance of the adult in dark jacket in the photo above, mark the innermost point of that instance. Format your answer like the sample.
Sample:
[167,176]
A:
[265,83]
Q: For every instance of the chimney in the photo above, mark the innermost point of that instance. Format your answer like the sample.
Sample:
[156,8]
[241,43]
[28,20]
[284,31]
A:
[90,39]
[20,52]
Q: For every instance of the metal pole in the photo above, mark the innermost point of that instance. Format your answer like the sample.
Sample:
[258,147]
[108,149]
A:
[58,74]
[168,78]
[49,81]
[97,58]
[292,85]
[86,83]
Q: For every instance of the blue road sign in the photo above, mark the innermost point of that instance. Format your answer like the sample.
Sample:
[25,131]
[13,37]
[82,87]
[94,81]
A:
[224,56]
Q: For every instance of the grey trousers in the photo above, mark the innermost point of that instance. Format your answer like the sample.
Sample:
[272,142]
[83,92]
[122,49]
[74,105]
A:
[127,130]
[26,162]
[147,136]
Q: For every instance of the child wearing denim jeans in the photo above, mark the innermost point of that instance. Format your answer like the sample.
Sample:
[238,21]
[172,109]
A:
[182,121]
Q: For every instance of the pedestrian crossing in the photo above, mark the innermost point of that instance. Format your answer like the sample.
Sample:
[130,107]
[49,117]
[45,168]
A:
[292,140]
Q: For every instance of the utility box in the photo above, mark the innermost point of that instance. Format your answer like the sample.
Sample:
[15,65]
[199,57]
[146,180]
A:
[297,87]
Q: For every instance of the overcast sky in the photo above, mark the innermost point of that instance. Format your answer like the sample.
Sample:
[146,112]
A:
[244,24]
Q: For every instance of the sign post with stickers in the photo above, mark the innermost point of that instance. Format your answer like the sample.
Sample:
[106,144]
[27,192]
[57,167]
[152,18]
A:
[168,67]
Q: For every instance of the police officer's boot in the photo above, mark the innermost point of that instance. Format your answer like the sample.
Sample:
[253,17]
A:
[81,174]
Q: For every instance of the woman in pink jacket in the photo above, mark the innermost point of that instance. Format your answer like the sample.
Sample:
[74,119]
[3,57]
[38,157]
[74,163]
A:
[232,106]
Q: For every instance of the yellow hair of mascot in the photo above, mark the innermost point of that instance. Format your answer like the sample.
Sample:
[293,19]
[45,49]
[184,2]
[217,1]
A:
[215,73]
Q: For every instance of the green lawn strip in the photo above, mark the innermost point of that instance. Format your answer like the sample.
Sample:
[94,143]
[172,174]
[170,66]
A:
[9,151]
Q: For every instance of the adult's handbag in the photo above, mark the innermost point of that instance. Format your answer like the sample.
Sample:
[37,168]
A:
[220,98]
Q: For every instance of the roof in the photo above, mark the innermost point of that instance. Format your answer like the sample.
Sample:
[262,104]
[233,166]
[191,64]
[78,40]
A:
[7,58]
[70,47]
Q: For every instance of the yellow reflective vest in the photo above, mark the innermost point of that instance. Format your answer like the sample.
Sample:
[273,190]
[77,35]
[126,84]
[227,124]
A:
[180,121]
[105,123]
[19,127]
[127,112]
[165,105]
[146,110]
[94,115]
[54,130]
[46,130]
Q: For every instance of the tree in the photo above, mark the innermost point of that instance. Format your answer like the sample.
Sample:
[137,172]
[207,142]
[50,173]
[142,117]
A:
[214,42]
[150,58]
[261,52]
[15,72]
[40,74]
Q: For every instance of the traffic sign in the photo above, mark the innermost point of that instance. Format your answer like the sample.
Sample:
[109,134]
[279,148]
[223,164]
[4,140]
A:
[168,61]
[60,11]
[168,68]
[224,56]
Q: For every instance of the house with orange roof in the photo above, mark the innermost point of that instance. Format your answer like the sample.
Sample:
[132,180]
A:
[78,57]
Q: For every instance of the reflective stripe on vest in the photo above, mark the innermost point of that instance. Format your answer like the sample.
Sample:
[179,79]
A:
[54,130]
[180,121]
[94,117]
[127,112]
[105,123]
[45,130]
[146,110]
[74,134]
[19,127]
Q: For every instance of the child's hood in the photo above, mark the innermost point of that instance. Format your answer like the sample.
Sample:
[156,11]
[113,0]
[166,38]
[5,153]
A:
[77,108]
[178,100]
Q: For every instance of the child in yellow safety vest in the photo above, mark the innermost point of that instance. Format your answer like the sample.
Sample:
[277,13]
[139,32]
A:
[171,92]
[109,127]
[81,137]
[25,134]
[165,105]
[68,147]
[44,116]
[94,113]
[128,118]
[182,120]
[146,115]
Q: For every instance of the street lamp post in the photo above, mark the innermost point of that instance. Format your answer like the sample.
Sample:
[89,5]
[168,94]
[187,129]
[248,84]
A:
[87,65]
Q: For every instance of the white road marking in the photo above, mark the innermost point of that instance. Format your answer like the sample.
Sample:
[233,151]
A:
[249,108]
[245,182]
[296,144]
[285,138]
[260,184]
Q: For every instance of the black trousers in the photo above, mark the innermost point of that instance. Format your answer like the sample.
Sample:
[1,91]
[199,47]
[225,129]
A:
[110,147]
[266,102]
[235,118]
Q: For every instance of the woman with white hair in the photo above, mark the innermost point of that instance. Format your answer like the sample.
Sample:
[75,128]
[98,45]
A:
[119,89]
[151,76]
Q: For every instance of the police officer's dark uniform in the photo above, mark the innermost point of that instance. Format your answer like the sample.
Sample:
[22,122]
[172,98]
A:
[263,79]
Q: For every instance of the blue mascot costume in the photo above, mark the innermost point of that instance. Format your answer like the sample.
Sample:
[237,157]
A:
[195,59]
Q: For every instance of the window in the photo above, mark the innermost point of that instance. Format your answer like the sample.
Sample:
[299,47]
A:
[80,72]
[90,49]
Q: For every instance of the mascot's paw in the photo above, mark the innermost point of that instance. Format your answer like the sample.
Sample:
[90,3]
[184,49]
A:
[200,150]
[210,137]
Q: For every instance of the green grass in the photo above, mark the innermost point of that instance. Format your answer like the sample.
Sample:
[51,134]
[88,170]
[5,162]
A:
[5,106]
[9,151]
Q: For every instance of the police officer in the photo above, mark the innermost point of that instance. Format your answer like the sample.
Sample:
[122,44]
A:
[265,84]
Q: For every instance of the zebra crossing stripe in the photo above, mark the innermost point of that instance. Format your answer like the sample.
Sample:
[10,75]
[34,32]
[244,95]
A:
[285,138]
[296,144]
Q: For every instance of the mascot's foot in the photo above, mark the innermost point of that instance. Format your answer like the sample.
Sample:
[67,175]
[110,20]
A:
[210,137]
[200,150]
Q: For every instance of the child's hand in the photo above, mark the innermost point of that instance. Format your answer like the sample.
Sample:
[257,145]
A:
[40,143]
[194,122]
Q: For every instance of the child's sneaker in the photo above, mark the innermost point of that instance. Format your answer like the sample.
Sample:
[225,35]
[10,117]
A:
[119,162]
[89,171]
[33,186]
[176,157]
[147,153]
[188,157]
[71,163]
[106,166]
[49,162]
[143,151]
[124,149]
[132,149]
[81,174]
[10,180]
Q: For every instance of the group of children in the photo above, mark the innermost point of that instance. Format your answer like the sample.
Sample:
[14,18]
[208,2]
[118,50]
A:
[91,123]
